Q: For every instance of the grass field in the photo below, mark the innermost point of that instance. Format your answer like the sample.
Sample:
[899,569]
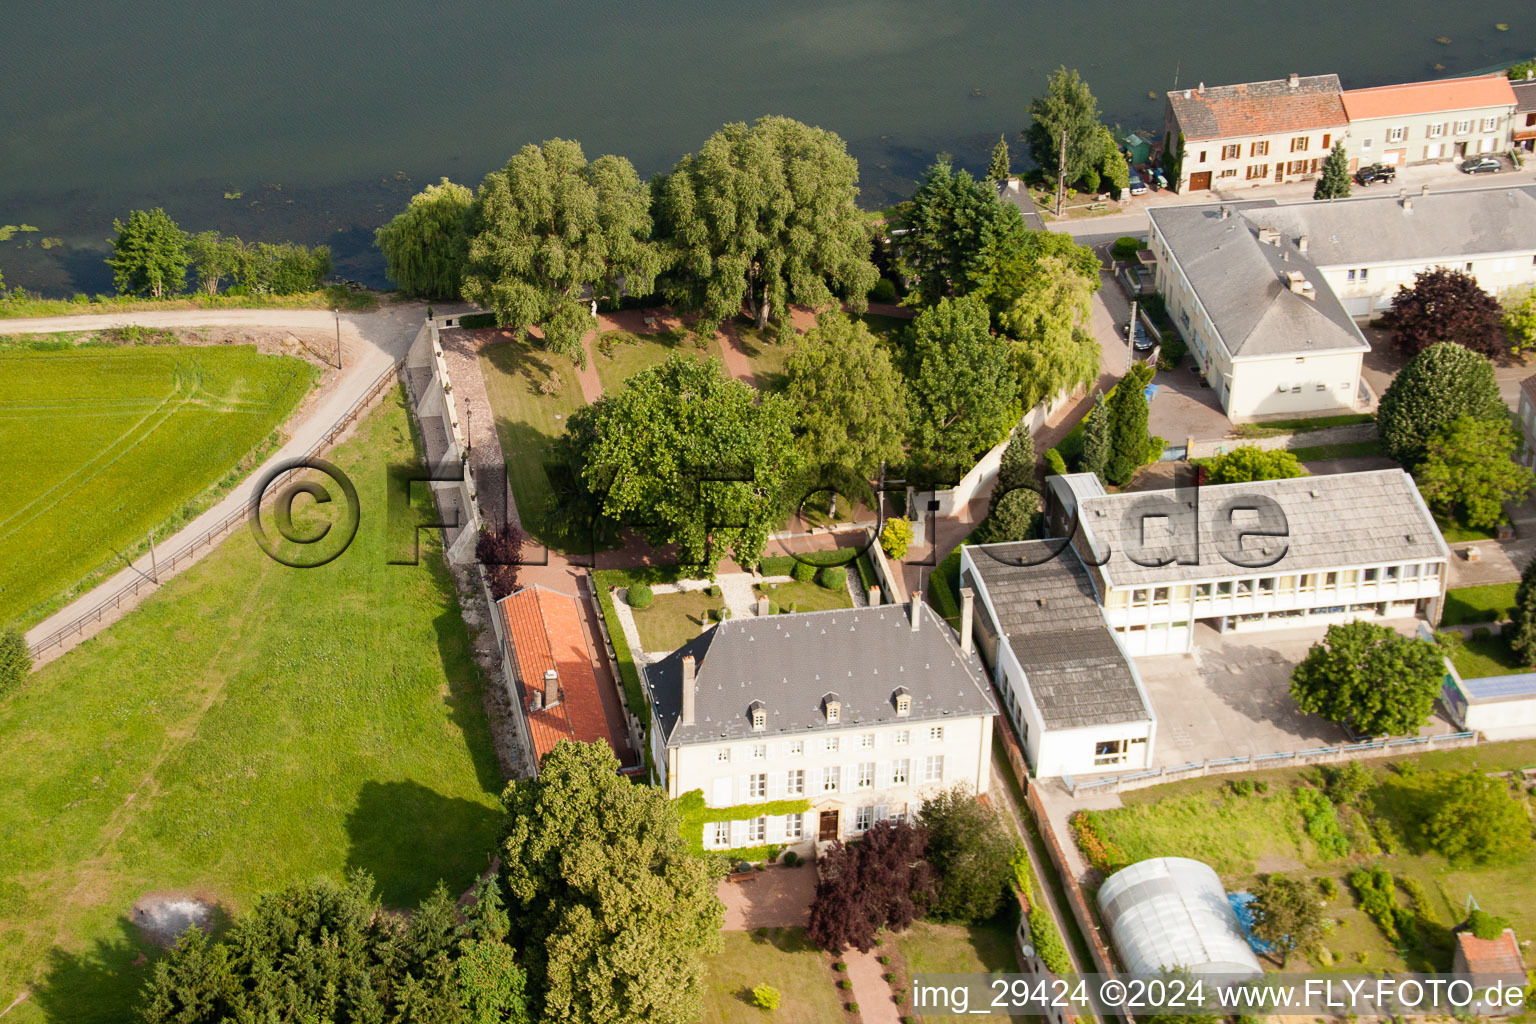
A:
[527,423]
[1243,836]
[671,620]
[99,445]
[932,948]
[248,726]
[806,597]
[1479,656]
[332,297]
[627,354]
[1491,603]
[783,959]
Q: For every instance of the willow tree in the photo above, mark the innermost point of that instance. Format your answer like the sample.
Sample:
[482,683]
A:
[550,233]
[763,215]
[424,244]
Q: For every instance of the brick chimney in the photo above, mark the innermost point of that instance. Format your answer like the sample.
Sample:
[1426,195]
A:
[917,610]
[551,687]
[967,611]
[688,689]
[874,597]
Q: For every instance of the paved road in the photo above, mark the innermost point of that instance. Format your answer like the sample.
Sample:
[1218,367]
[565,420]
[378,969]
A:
[371,342]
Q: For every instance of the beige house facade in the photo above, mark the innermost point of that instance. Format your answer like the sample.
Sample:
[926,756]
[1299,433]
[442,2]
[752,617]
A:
[1429,122]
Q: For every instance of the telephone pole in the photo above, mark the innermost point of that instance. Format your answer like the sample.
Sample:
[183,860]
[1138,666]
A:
[1061,176]
[154,569]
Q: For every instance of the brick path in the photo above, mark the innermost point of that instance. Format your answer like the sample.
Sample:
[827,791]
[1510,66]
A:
[870,990]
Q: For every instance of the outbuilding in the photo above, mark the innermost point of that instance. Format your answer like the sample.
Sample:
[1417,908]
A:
[1172,913]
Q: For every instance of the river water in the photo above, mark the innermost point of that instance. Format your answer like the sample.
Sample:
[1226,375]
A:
[314,121]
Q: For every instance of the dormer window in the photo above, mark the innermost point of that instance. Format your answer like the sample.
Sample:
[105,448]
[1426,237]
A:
[759,716]
[902,700]
[833,707]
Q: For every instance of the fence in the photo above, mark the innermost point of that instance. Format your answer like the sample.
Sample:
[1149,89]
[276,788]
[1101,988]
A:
[1077,901]
[1250,762]
[166,565]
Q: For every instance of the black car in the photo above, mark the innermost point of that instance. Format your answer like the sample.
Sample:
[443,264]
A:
[1141,341]
[1371,173]
[1482,165]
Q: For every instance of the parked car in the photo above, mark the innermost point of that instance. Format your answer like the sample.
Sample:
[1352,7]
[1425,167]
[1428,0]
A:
[1138,185]
[1482,165]
[1372,173]
[1141,341]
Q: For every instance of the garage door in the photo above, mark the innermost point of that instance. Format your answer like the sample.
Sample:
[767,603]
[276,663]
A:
[1359,305]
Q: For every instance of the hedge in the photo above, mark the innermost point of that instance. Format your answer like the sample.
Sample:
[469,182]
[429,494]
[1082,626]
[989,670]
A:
[695,815]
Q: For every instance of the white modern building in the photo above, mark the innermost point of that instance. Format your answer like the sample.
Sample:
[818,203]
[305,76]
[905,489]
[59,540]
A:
[859,713]
[1266,294]
[1067,683]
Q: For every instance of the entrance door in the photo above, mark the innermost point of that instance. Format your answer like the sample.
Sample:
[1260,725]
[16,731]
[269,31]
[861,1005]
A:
[828,830]
[1199,181]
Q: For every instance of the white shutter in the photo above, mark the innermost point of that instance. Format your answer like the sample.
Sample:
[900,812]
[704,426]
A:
[775,833]
[722,795]
[744,789]
[738,833]
[882,775]
[775,785]
[812,782]
[768,751]
[882,812]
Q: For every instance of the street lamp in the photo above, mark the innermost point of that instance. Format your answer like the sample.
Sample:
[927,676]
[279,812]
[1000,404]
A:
[337,311]
[469,426]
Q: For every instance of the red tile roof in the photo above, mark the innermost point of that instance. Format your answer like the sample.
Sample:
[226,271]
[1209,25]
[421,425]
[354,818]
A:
[1449,94]
[1499,956]
[546,631]
[1258,108]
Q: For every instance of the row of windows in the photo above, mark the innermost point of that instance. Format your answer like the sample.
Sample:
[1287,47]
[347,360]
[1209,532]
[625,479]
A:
[838,778]
[829,744]
[1305,583]
[1299,144]
[755,830]
[1438,131]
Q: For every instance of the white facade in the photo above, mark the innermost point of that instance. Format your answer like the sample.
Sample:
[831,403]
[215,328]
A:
[1421,138]
[1366,288]
[852,777]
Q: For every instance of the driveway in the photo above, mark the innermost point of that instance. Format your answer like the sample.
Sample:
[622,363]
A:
[778,897]
[1231,697]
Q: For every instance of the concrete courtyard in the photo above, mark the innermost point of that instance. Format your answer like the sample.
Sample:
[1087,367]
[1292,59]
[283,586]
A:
[1230,697]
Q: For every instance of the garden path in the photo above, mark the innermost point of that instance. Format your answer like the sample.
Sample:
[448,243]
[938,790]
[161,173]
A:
[870,991]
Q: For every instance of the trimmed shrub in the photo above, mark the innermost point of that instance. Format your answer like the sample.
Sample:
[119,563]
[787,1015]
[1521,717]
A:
[765,997]
[722,613]
[640,595]
[895,538]
[883,291]
[844,984]
[15,659]
[1054,463]
[803,572]
[833,577]
[1126,247]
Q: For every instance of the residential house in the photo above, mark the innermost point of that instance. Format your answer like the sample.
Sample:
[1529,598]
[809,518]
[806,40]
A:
[1491,963]
[1067,682]
[1523,135]
[856,714]
[1271,554]
[1526,413]
[1426,122]
[1266,293]
[1252,134]
[550,662]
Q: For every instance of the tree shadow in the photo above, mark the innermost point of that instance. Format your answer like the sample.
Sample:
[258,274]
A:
[100,983]
[408,837]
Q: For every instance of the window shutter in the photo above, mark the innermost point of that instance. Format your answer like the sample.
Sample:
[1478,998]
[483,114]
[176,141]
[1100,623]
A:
[722,796]
[738,833]
[813,781]
[775,829]
[883,775]
[744,789]
[775,785]
[882,812]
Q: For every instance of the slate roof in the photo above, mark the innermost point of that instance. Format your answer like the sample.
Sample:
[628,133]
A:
[1020,198]
[1076,670]
[1448,94]
[545,630]
[1336,520]
[1525,96]
[790,662]
[1259,108]
[1242,284]
[1435,225]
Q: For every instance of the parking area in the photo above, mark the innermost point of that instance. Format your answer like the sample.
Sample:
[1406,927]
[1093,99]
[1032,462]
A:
[1231,697]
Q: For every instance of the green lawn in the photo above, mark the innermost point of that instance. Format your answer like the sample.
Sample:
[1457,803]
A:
[1270,428]
[766,355]
[783,959]
[932,948]
[806,597]
[246,727]
[620,355]
[331,297]
[1456,533]
[671,620]
[1324,452]
[1491,603]
[1244,836]
[100,444]
[527,423]
[1479,656]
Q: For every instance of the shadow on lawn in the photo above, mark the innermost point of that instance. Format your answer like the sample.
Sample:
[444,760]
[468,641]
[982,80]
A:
[405,835]
[100,984]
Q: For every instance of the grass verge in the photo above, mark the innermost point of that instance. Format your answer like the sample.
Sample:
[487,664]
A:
[332,297]
[1272,428]
[1324,452]
[1492,603]
[781,958]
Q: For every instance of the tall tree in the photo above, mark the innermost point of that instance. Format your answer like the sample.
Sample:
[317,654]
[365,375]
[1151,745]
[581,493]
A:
[964,393]
[1286,915]
[1016,467]
[149,255]
[213,258]
[1445,305]
[1014,507]
[686,455]
[1370,678]
[1520,320]
[954,230]
[1128,424]
[1440,384]
[1521,633]
[879,882]
[613,912]
[1248,462]
[971,851]
[1333,182]
[425,245]
[1047,317]
[15,659]
[997,169]
[764,215]
[1068,105]
[500,554]
[1469,472]
[849,401]
[1098,438]
[550,232]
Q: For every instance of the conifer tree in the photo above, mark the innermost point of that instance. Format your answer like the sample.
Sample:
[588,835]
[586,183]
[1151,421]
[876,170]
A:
[998,170]
[1096,438]
[1333,183]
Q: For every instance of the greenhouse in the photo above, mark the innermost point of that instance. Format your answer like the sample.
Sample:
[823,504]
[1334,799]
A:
[1172,913]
